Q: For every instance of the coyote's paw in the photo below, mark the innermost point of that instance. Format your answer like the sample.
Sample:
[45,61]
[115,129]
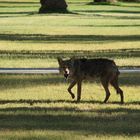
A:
[73,96]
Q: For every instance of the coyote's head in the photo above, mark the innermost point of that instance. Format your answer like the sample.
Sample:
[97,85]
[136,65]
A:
[66,67]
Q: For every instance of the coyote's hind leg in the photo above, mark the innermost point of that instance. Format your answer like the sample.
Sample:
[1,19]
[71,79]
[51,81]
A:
[114,83]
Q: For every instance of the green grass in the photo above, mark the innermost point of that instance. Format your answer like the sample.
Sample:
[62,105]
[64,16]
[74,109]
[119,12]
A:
[87,27]
[99,25]
[30,108]
[39,106]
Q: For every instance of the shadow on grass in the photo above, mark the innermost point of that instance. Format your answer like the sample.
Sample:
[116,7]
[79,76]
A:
[113,14]
[121,53]
[130,79]
[118,4]
[111,25]
[109,11]
[117,16]
[18,6]
[18,2]
[119,121]
[34,12]
[34,102]
[17,14]
[68,38]
[26,14]
[20,81]
[20,13]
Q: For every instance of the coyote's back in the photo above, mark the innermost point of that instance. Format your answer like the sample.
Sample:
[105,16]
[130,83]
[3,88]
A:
[91,68]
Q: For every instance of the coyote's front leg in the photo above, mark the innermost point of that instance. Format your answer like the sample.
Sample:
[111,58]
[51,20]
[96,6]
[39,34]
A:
[70,87]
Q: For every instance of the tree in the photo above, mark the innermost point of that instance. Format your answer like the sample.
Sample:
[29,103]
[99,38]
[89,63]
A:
[52,6]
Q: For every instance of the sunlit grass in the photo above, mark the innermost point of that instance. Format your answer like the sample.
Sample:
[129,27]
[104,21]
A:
[128,62]
[42,87]
[69,25]
[12,45]
[87,19]
[59,135]
[32,109]
[39,106]
[28,63]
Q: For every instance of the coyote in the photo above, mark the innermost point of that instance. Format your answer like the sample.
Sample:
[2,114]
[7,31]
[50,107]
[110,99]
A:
[81,69]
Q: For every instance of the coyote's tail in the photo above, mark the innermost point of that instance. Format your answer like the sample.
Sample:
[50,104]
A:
[116,68]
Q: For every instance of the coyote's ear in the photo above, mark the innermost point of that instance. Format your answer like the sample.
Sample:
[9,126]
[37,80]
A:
[73,58]
[60,61]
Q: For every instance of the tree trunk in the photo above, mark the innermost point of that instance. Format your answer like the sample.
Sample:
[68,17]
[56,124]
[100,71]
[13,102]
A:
[53,6]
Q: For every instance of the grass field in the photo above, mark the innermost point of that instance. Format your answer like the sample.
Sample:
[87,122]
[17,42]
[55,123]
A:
[30,108]
[38,106]
[85,27]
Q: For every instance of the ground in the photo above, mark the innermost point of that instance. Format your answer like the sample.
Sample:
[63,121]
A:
[39,106]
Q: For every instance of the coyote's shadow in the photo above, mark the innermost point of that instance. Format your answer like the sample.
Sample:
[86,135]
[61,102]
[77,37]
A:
[33,102]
